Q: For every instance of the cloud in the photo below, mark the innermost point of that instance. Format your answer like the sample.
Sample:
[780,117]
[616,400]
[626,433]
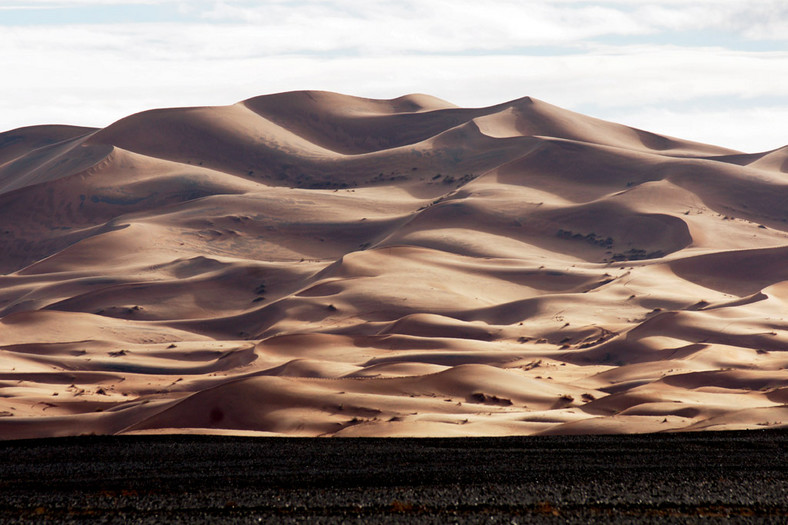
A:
[107,83]
[432,26]
[506,23]
[470,53]
[634,74]
[749,129]
[48,4]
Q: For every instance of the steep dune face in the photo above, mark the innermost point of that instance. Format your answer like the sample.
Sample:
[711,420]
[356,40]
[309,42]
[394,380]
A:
[316,264]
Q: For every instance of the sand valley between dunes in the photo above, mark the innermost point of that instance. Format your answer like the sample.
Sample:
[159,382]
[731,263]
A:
[315,264]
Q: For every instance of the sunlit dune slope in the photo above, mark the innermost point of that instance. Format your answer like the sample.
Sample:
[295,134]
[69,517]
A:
[316,264]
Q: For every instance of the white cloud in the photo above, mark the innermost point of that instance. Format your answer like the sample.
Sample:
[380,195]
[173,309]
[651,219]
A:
[467,52]
[755,20]
[44,4]
[499,24]
[428,26]
[101,87]
[749,129]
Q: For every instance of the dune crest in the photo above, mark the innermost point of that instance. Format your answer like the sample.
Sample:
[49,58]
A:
[317,264]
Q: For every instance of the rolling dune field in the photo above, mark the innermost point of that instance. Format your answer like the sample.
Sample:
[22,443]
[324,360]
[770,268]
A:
[316,264]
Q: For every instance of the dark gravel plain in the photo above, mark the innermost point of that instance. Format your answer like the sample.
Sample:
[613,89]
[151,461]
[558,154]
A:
[710,477]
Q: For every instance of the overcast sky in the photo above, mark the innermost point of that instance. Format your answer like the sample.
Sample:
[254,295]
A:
[715,71]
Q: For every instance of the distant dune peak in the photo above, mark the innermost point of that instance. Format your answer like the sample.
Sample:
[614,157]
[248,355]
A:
[317,264]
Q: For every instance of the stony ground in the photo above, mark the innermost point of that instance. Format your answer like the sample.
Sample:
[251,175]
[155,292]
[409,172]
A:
[727,476]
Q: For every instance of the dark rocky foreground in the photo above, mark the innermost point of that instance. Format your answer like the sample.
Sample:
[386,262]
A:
[726,476]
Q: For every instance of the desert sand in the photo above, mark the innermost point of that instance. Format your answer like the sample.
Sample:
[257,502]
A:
[316,264]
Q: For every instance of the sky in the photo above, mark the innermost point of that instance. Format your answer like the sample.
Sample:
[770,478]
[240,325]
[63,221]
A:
[715,71]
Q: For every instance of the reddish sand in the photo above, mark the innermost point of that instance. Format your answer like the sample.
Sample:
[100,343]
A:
[314,264]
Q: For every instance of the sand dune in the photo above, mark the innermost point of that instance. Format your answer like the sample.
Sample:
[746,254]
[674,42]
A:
[317,264]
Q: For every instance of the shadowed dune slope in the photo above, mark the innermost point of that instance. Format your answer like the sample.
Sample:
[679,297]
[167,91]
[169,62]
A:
[316,264]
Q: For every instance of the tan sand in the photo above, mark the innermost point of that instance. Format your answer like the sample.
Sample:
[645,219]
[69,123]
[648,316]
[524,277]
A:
[315,264]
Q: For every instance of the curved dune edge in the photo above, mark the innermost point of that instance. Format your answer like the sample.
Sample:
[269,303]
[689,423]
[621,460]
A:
[316,264]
